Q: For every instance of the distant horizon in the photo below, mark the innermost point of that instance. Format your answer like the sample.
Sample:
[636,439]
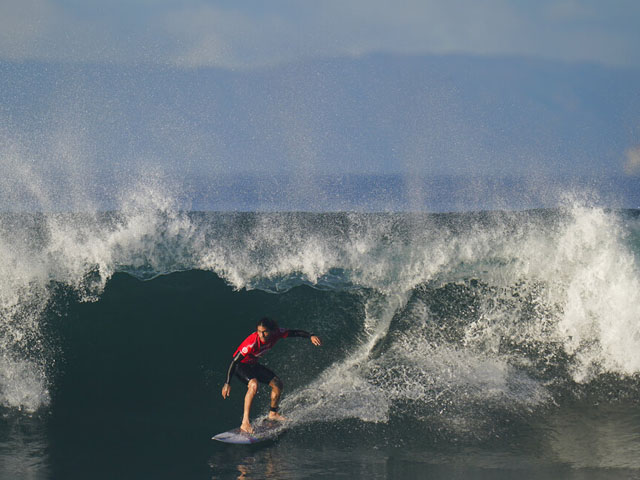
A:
[348,192]
[474,57]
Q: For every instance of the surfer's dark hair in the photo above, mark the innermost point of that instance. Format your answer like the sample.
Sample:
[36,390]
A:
[268,323]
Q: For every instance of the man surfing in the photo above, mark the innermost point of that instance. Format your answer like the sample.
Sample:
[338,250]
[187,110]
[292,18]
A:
[246,367]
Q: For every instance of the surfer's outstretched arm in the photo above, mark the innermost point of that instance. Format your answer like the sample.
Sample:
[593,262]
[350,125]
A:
[226,389]
[304,334]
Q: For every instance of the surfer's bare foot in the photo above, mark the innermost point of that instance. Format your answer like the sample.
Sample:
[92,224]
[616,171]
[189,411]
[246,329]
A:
[276,416]
[246,427]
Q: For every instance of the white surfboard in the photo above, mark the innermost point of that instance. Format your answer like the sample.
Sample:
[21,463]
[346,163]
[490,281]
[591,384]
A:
[263,430]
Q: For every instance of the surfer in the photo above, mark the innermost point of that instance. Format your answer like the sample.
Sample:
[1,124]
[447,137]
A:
[246,367]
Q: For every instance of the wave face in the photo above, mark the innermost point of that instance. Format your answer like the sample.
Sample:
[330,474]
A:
[530,295]
[463,325]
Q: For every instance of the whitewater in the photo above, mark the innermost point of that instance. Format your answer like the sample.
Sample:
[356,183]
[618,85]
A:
[488,340]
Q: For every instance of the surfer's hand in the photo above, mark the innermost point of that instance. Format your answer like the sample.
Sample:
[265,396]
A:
[316,340]
[226,390]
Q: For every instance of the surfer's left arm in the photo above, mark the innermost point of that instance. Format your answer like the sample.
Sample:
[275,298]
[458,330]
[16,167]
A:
[304,334]
[226,389]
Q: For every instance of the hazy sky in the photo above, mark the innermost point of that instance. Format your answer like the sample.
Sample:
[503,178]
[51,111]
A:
[553,122]
[231,33]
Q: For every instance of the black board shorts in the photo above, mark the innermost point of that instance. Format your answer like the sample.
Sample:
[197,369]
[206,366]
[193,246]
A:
[247,371]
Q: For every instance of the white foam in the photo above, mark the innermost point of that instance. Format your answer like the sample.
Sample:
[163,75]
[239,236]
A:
[600,289]
[23,384]
[436,379]
[343,391]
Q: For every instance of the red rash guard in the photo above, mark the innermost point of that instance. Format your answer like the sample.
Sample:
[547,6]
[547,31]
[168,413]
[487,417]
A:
[252,347]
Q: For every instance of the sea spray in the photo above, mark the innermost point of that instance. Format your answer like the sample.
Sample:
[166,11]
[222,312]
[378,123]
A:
[343,391]
[600,325]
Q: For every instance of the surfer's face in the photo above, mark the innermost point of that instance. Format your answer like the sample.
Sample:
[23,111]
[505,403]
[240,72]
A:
[263,333]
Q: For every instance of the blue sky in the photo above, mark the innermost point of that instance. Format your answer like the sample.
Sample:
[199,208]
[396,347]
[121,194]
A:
[237,34]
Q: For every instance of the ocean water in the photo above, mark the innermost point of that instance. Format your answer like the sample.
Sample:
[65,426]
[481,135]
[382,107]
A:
[460,345]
